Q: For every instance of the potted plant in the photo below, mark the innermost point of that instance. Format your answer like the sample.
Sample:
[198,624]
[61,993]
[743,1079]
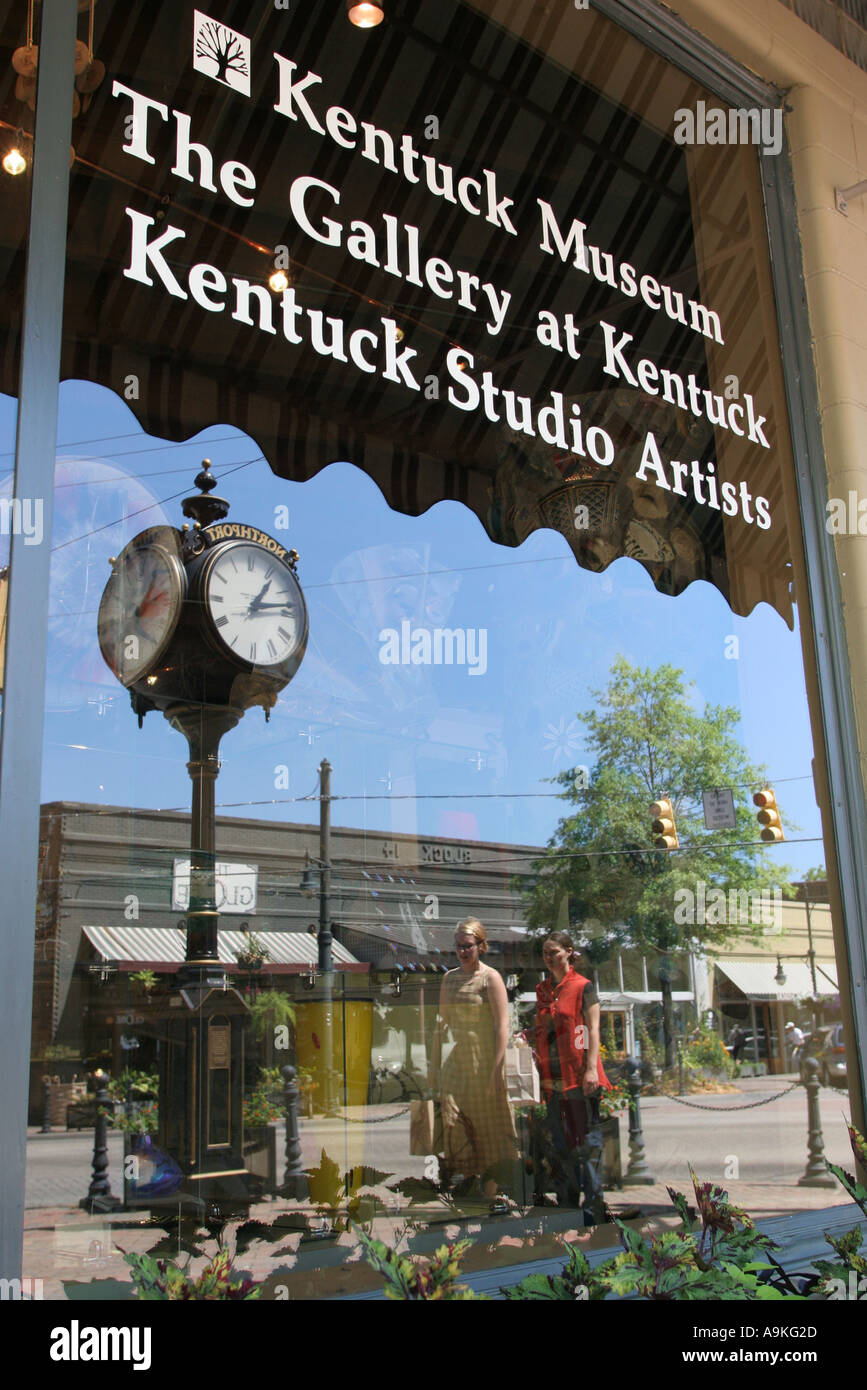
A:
[261,1110]
[253,953]
[144,981]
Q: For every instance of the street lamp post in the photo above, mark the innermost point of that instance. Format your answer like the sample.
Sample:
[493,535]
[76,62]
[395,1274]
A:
[324,938]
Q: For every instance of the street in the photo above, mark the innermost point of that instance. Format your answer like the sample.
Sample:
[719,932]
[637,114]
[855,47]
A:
[764,1145]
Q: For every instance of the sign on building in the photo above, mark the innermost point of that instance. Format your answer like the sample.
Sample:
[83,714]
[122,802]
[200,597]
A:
[236,887]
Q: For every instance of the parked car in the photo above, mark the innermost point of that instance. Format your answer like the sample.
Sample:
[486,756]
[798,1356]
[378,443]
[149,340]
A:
[832,1057]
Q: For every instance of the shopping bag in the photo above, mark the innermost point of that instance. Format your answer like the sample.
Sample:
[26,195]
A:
[522,1078]
[425,1127]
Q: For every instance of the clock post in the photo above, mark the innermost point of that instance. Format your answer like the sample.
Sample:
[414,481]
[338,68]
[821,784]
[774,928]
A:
[202,624]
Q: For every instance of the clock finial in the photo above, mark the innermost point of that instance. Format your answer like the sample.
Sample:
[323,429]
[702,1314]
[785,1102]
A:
[205,509]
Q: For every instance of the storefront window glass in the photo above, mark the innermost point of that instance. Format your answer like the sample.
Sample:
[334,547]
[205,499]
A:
[519,290]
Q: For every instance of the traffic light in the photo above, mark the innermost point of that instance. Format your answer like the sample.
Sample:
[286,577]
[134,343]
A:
[663,826]
[769,815]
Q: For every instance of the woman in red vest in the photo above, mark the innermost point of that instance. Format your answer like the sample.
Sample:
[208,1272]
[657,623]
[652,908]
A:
[572,1078]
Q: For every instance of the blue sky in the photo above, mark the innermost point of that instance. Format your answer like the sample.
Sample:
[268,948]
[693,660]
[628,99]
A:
[430,749]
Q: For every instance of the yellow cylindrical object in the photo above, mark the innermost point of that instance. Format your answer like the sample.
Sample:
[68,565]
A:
[352,1025]
[352,1018]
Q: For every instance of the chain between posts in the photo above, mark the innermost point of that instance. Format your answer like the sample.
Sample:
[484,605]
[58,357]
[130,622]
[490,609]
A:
[725,1109]
[379,1120]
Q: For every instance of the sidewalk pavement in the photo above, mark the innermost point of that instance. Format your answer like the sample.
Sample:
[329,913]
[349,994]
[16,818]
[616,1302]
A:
[76,1254]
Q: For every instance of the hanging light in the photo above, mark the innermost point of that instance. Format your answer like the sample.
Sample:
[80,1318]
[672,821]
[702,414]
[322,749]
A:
[781,976]
[307,884]
[279,281]
[14,162]
[364,15]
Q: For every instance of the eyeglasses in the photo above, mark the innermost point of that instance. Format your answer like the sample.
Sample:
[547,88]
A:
[467,946]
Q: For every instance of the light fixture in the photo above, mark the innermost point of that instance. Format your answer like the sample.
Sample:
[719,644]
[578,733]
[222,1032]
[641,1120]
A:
[279,281]
[364,15]
[780,977]
[14,162]
[307,885]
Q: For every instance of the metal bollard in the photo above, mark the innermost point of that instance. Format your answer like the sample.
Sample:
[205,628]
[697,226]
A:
[294,1182]
[46,1105]
[637,1173]
[99,1196]
[815,1174]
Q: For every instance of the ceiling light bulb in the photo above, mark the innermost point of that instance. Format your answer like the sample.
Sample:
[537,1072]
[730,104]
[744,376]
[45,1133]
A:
[279,281]
[14,161]
[365,15]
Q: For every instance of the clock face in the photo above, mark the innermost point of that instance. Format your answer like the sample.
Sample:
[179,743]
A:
[140,608]
[255,604]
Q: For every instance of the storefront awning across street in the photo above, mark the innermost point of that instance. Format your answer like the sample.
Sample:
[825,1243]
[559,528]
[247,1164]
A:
[156,948]
[756,979]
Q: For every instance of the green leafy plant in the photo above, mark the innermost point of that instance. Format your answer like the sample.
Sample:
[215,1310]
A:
[708,1051]
[61,1052]
[146,979]
[261,1105]
[646,736]
[141,1088]
[848,1247]
[613,1101]
[142,1119]
[268,1011]
[253,954]
[650,1051]
[136,1084]
[433,1280]
[724,1260]
[577,1282]
[157,1279]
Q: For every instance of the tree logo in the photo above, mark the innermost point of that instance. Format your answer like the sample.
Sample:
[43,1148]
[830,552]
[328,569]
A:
[221,52]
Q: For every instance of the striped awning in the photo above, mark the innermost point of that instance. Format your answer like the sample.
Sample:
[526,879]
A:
[755,979]
[138,948]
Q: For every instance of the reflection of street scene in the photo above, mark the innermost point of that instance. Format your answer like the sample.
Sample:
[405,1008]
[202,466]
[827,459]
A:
[82,1248]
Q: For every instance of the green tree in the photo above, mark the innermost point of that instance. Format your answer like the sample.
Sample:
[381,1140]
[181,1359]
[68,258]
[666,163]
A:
[646,740]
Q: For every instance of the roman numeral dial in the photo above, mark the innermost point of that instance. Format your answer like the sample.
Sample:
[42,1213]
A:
[255,604]
[140,607]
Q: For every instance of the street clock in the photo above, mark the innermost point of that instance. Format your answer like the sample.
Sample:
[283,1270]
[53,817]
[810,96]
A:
[203,623]
[209,614]
[142,603]
[254,605]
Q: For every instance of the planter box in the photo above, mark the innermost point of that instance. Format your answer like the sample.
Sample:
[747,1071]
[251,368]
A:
[62,1094]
